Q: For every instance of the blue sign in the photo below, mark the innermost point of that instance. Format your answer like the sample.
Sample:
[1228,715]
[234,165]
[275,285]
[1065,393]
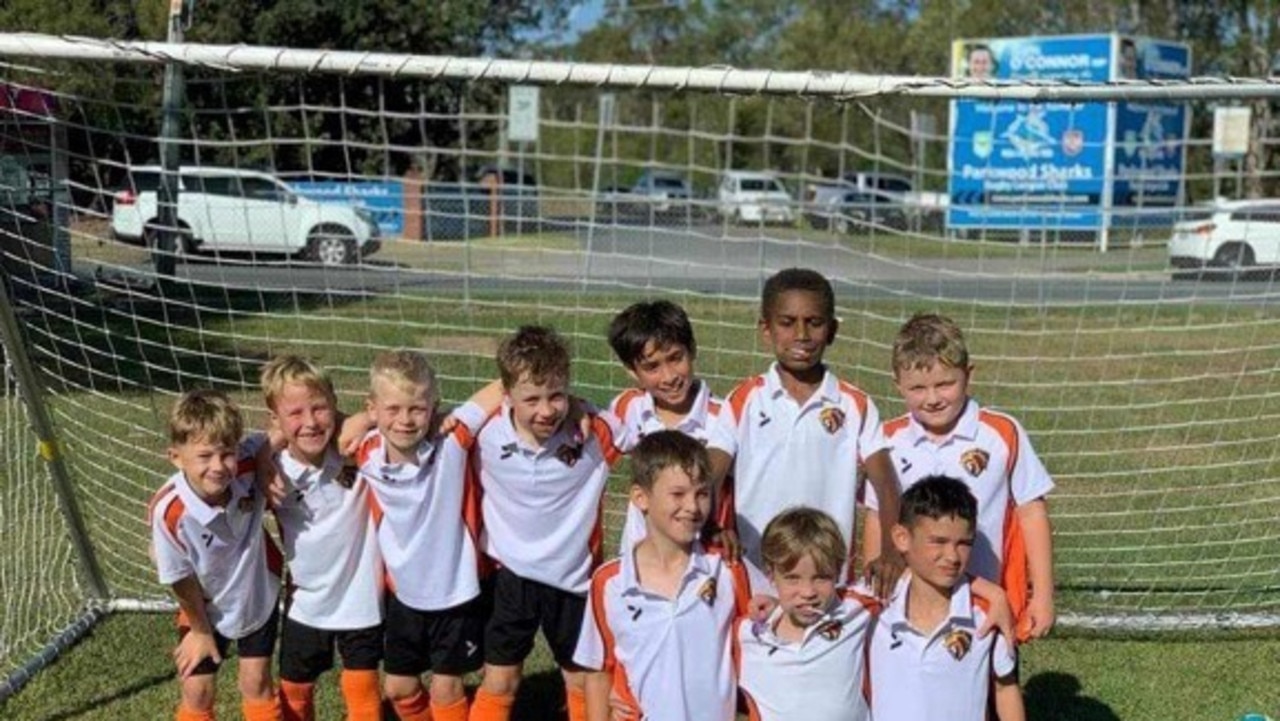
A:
[384,199]
[1060,166]
[1150,138]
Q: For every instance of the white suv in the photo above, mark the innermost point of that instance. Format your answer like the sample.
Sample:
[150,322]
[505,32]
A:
[1231,234]
[751,197]
[228,209]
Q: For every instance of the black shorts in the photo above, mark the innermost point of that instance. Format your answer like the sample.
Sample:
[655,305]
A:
[306,651]
[448,642]
[520,607]
[259,644]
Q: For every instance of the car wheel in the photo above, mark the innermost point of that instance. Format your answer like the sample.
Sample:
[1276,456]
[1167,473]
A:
[1235,257]
[331,245]
[183,247]
[841,225]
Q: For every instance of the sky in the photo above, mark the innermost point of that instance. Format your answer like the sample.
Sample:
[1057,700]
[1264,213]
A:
[584,16]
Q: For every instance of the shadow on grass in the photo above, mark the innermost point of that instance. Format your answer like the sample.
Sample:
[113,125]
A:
[132,332]
[97,704]
[1055,696]
[539,693]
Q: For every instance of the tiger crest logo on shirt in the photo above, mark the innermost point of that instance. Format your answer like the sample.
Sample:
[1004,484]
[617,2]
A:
[832,419]
[830,630]
[958,643]
[707,592]
[975,461]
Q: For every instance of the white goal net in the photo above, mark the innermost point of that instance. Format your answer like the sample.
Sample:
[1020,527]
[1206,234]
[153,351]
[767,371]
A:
[1149,394]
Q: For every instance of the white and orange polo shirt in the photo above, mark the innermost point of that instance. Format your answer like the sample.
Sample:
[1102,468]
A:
[542,508]
[992,454]
[335,569]
[943,673]
[821,678]
[792,454]
[670,658]
[427,515]
[226,548]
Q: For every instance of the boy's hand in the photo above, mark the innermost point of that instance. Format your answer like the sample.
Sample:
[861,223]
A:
[354,429]
[267,476]
[999,618]
[883,572]
[579,415]
[760,607]
[726,542]
[619,709]
[195,647]
[1040,615]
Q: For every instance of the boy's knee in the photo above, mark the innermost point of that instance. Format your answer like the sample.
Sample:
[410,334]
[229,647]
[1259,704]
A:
[501,680]
[398,688]
[198,692]
[447,690]
[255,678]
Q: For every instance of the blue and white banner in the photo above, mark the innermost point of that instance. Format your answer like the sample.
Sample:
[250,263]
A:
[1150,138]
[1021,165]
[384,199]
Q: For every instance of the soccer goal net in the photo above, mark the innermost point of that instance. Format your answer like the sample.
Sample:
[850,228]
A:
[338,204]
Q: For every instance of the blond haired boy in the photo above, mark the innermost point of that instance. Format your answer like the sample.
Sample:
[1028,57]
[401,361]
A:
[335,570]
[209,545]
[946,431]
[427,514]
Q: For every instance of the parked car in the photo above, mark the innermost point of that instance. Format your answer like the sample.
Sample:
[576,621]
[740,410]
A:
[1234,235]
[661,191]
[228,209]
[753,197]
[854,210]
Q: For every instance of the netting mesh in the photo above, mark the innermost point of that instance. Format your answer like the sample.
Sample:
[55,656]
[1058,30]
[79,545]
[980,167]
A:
[1149,397]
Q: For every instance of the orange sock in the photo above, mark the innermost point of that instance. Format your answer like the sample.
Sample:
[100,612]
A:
[456,711]
[186,714]
[491,707]
[298,700]
[363,696]
[414,708]
[577,699]
[267,709]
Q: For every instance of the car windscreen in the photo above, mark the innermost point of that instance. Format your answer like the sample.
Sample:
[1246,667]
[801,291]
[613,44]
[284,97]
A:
[761,185]
[668,183]
[893,185]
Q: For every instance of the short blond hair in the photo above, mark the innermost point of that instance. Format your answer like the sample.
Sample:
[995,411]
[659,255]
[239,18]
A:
[929,339]
[207,415]
[287,369]
[404,369]
[802,531]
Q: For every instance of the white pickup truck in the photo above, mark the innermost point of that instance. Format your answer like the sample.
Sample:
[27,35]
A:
[228,209]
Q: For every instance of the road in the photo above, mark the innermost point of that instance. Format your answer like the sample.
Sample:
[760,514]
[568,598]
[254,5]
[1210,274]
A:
[704,260]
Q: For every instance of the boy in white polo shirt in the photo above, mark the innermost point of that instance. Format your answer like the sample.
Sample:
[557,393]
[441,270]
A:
[798,435]
[658,626]
[427,512]
[925,656]
[542,489]
[947,432]
[654,341]
[208,543]
[335,570]
[816,637]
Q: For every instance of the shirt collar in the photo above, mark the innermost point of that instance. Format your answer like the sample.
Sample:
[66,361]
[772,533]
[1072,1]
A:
[700,566]
[961,607]
[567,433]
[201,510]
[695,419]
[423,453]
[838,614]
[301,473]
[967,425]
[828,391]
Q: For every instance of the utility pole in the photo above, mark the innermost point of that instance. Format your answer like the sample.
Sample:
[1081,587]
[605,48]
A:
[163,253]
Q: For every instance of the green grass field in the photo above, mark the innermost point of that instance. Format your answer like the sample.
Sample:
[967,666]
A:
[1154,421]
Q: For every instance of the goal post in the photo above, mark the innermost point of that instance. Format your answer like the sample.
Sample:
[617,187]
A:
[339,204]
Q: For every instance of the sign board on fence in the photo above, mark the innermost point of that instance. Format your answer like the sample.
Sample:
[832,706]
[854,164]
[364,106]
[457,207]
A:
[1231,131]
[522,114]
[385,200]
